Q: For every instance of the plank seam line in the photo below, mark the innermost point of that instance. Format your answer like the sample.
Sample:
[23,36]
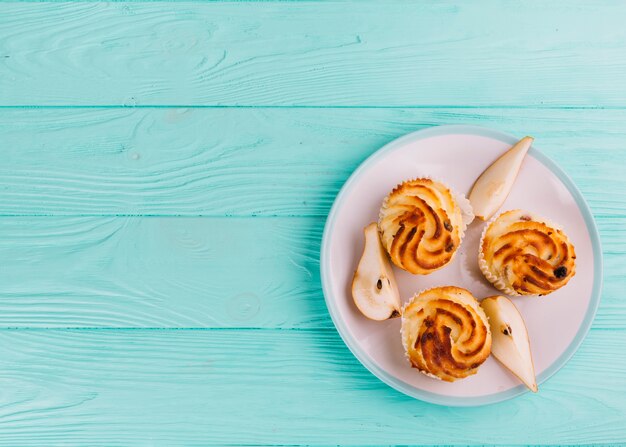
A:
[221,216]
[212,216]
[166,329]
[208,329]
[296,106]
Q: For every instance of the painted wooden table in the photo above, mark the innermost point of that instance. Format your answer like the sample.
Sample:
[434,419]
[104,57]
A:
[165,176]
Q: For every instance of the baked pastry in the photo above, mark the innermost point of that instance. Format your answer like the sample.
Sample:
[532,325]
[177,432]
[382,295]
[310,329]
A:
[445,333]
[523,254]
[421,225]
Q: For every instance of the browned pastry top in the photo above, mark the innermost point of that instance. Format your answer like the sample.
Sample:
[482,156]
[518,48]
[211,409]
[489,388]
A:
[421,225]
[522,254]
[445,333]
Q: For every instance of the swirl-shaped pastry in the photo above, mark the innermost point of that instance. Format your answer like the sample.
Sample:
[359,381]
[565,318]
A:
[445,333]
[421,225]
[523,254]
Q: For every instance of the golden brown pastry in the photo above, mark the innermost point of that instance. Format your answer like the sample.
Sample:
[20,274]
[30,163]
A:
[523,254]
[421,225]
[445,333]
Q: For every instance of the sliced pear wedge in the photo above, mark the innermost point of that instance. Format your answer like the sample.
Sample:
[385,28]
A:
[510,344]
[494,185]
[374,288]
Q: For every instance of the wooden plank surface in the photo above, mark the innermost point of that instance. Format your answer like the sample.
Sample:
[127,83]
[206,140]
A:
[485,52]
[268,162]
[161,272]
[192,272]
[235,387]
[165,172]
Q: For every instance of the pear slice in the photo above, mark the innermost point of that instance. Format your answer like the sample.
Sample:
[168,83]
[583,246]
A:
[374,288]
[494,185]
[510,344]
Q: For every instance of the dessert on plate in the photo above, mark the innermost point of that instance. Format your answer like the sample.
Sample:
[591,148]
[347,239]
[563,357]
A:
[445,333]
[421,225]
[524,254]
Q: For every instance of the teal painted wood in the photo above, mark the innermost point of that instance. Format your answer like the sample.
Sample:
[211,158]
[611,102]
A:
[235,387]
[483,52]
[161,272]
[264,365]
[269,162]
[167,272]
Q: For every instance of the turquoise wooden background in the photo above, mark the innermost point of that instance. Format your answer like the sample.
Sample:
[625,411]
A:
[165,173]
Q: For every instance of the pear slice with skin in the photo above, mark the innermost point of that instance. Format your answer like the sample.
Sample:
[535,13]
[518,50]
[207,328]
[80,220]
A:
[374,288]
[494,185]
[510,344]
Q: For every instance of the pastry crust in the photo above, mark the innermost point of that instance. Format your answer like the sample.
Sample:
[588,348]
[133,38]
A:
[445,333]
[422,225]
[523,254]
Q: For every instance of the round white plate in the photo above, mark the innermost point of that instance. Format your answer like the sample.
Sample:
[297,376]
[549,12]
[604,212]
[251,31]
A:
[457,155]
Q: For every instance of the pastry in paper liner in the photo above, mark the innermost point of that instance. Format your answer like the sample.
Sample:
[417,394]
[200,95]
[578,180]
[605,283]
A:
[521,253]
[422,223]
[445,333]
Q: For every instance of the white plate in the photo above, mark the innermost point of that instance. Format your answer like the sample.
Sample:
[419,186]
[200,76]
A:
[457,155]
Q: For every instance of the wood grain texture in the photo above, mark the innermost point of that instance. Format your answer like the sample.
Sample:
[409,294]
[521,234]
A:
[161,272]
[266,162]
[487,52]
[191,272]
[112,387]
